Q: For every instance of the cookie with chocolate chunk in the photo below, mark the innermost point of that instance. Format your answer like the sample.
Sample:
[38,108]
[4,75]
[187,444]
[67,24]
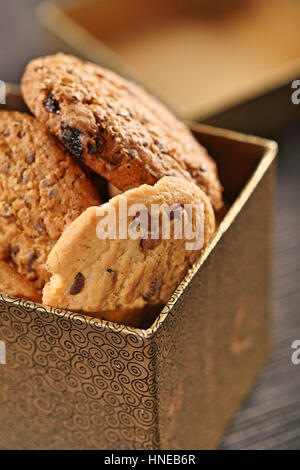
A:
[122,277]
[42,190]
[12,283]
[115,126]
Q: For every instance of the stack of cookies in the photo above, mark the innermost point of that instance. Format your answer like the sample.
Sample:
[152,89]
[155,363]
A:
[89,127]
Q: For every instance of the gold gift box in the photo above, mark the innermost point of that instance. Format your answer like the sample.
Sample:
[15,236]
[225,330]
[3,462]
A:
[208,60]
[73,382]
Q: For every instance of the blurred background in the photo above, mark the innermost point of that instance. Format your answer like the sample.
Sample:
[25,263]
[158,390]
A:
[227,63]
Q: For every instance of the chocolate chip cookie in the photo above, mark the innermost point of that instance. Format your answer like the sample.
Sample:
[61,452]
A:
[115,126]
[12,283]
[119,278]
[42,190]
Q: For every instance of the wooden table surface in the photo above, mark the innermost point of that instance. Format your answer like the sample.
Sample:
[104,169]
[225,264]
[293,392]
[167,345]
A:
[270,419]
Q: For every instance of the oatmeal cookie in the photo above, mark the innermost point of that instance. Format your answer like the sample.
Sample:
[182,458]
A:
[12,283]
[117,278]
[42,190]
[114,126]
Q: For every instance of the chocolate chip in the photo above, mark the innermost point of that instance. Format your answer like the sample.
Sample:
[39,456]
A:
[25,178]
[51,194]
[97,146]
[149,244]
[51,104]
[6,133]
[39,227]
[30,158]
[132,153]
[72,139]
[74,98]
[21,134]
[46,182]
[33,256]
[111,272]
[155,285]
[78,284]
[12,251]
[27,203]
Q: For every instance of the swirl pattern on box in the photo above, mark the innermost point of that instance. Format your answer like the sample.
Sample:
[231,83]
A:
[72,382]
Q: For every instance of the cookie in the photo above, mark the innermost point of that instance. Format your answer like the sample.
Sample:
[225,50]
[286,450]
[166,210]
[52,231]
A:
[115,126]
[12,283]
[42,190]
[122,276]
